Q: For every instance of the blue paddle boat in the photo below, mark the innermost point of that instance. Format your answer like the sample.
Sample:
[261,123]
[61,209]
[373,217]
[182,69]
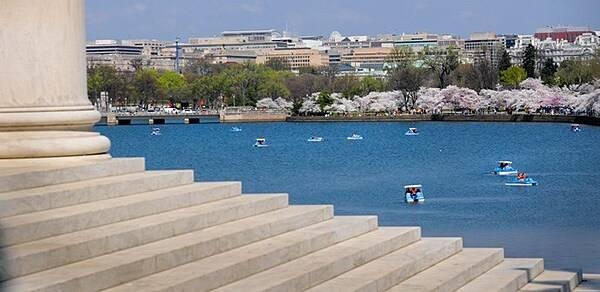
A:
[355,137]
[575,128]
[414,194]
[505,168]
[155,132]
[521,180]
[412,132]
[261,142]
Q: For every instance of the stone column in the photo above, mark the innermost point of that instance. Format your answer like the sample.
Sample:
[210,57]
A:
[44,108]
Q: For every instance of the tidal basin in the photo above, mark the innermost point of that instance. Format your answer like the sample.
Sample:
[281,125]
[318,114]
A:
[558,219]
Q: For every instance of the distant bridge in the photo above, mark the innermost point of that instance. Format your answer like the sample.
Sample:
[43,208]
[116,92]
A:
[157,119]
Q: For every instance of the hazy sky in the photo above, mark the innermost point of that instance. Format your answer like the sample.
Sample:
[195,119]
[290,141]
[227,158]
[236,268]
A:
[167,19]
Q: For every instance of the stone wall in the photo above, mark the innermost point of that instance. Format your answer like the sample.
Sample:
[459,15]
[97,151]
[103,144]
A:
[248,117]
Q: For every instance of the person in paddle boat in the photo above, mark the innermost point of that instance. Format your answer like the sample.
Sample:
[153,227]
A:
[413,193]
[505,168]
[521,176]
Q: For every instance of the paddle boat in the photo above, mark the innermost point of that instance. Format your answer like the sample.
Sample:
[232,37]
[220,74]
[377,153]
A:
[412,132]
[505,168]
[521,180]
[235,129]
[261,142]
[355,137]
[155,132]
[315,139]
[575,128]
[414,194]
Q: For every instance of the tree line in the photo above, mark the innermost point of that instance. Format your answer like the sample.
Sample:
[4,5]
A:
[203,83]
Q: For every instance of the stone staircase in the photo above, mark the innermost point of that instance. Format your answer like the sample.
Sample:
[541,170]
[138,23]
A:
[110,225]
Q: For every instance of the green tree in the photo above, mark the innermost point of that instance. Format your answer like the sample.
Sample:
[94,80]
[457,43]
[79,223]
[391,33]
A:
[106,78]
[513,76]
[369,84]
[442,63]
[504,61]
[94,85]
[529,57]
[547,72]
[574,73]
[173,86]
[324,100]
[146,85]
[212,89]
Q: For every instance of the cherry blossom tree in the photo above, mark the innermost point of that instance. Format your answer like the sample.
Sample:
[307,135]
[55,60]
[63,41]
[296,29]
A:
[430,100]
[284,104]
[266,103]
[310,105]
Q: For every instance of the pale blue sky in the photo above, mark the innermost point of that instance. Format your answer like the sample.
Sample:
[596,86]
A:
[166,19]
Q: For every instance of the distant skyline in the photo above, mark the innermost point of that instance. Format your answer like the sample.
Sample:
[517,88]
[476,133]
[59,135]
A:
[166,20]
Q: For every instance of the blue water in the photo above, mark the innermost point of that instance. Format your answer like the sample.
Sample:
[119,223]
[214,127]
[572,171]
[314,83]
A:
[558,220]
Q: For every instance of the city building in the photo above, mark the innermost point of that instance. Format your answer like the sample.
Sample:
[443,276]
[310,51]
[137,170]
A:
[335,57]
[584,46]
[365,56]
[419,41]
[296,57]
[588,40]
[149,47]
[339,42]
[510,40]
[484,46]
[233,56]
[253,40]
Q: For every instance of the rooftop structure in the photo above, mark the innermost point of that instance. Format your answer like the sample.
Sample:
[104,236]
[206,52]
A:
[568,33]
[112,47]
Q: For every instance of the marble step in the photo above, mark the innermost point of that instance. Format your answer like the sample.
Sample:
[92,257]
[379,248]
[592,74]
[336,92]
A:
[389,270]
[38,225]
[328,263]
[224,268]
[12,179]
[68,194]
[60,250]
[590,283]
[509,276]
[126,265]
[453,272]
[554,281]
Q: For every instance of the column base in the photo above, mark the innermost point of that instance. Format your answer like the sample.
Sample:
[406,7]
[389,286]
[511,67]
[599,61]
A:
[47,144]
